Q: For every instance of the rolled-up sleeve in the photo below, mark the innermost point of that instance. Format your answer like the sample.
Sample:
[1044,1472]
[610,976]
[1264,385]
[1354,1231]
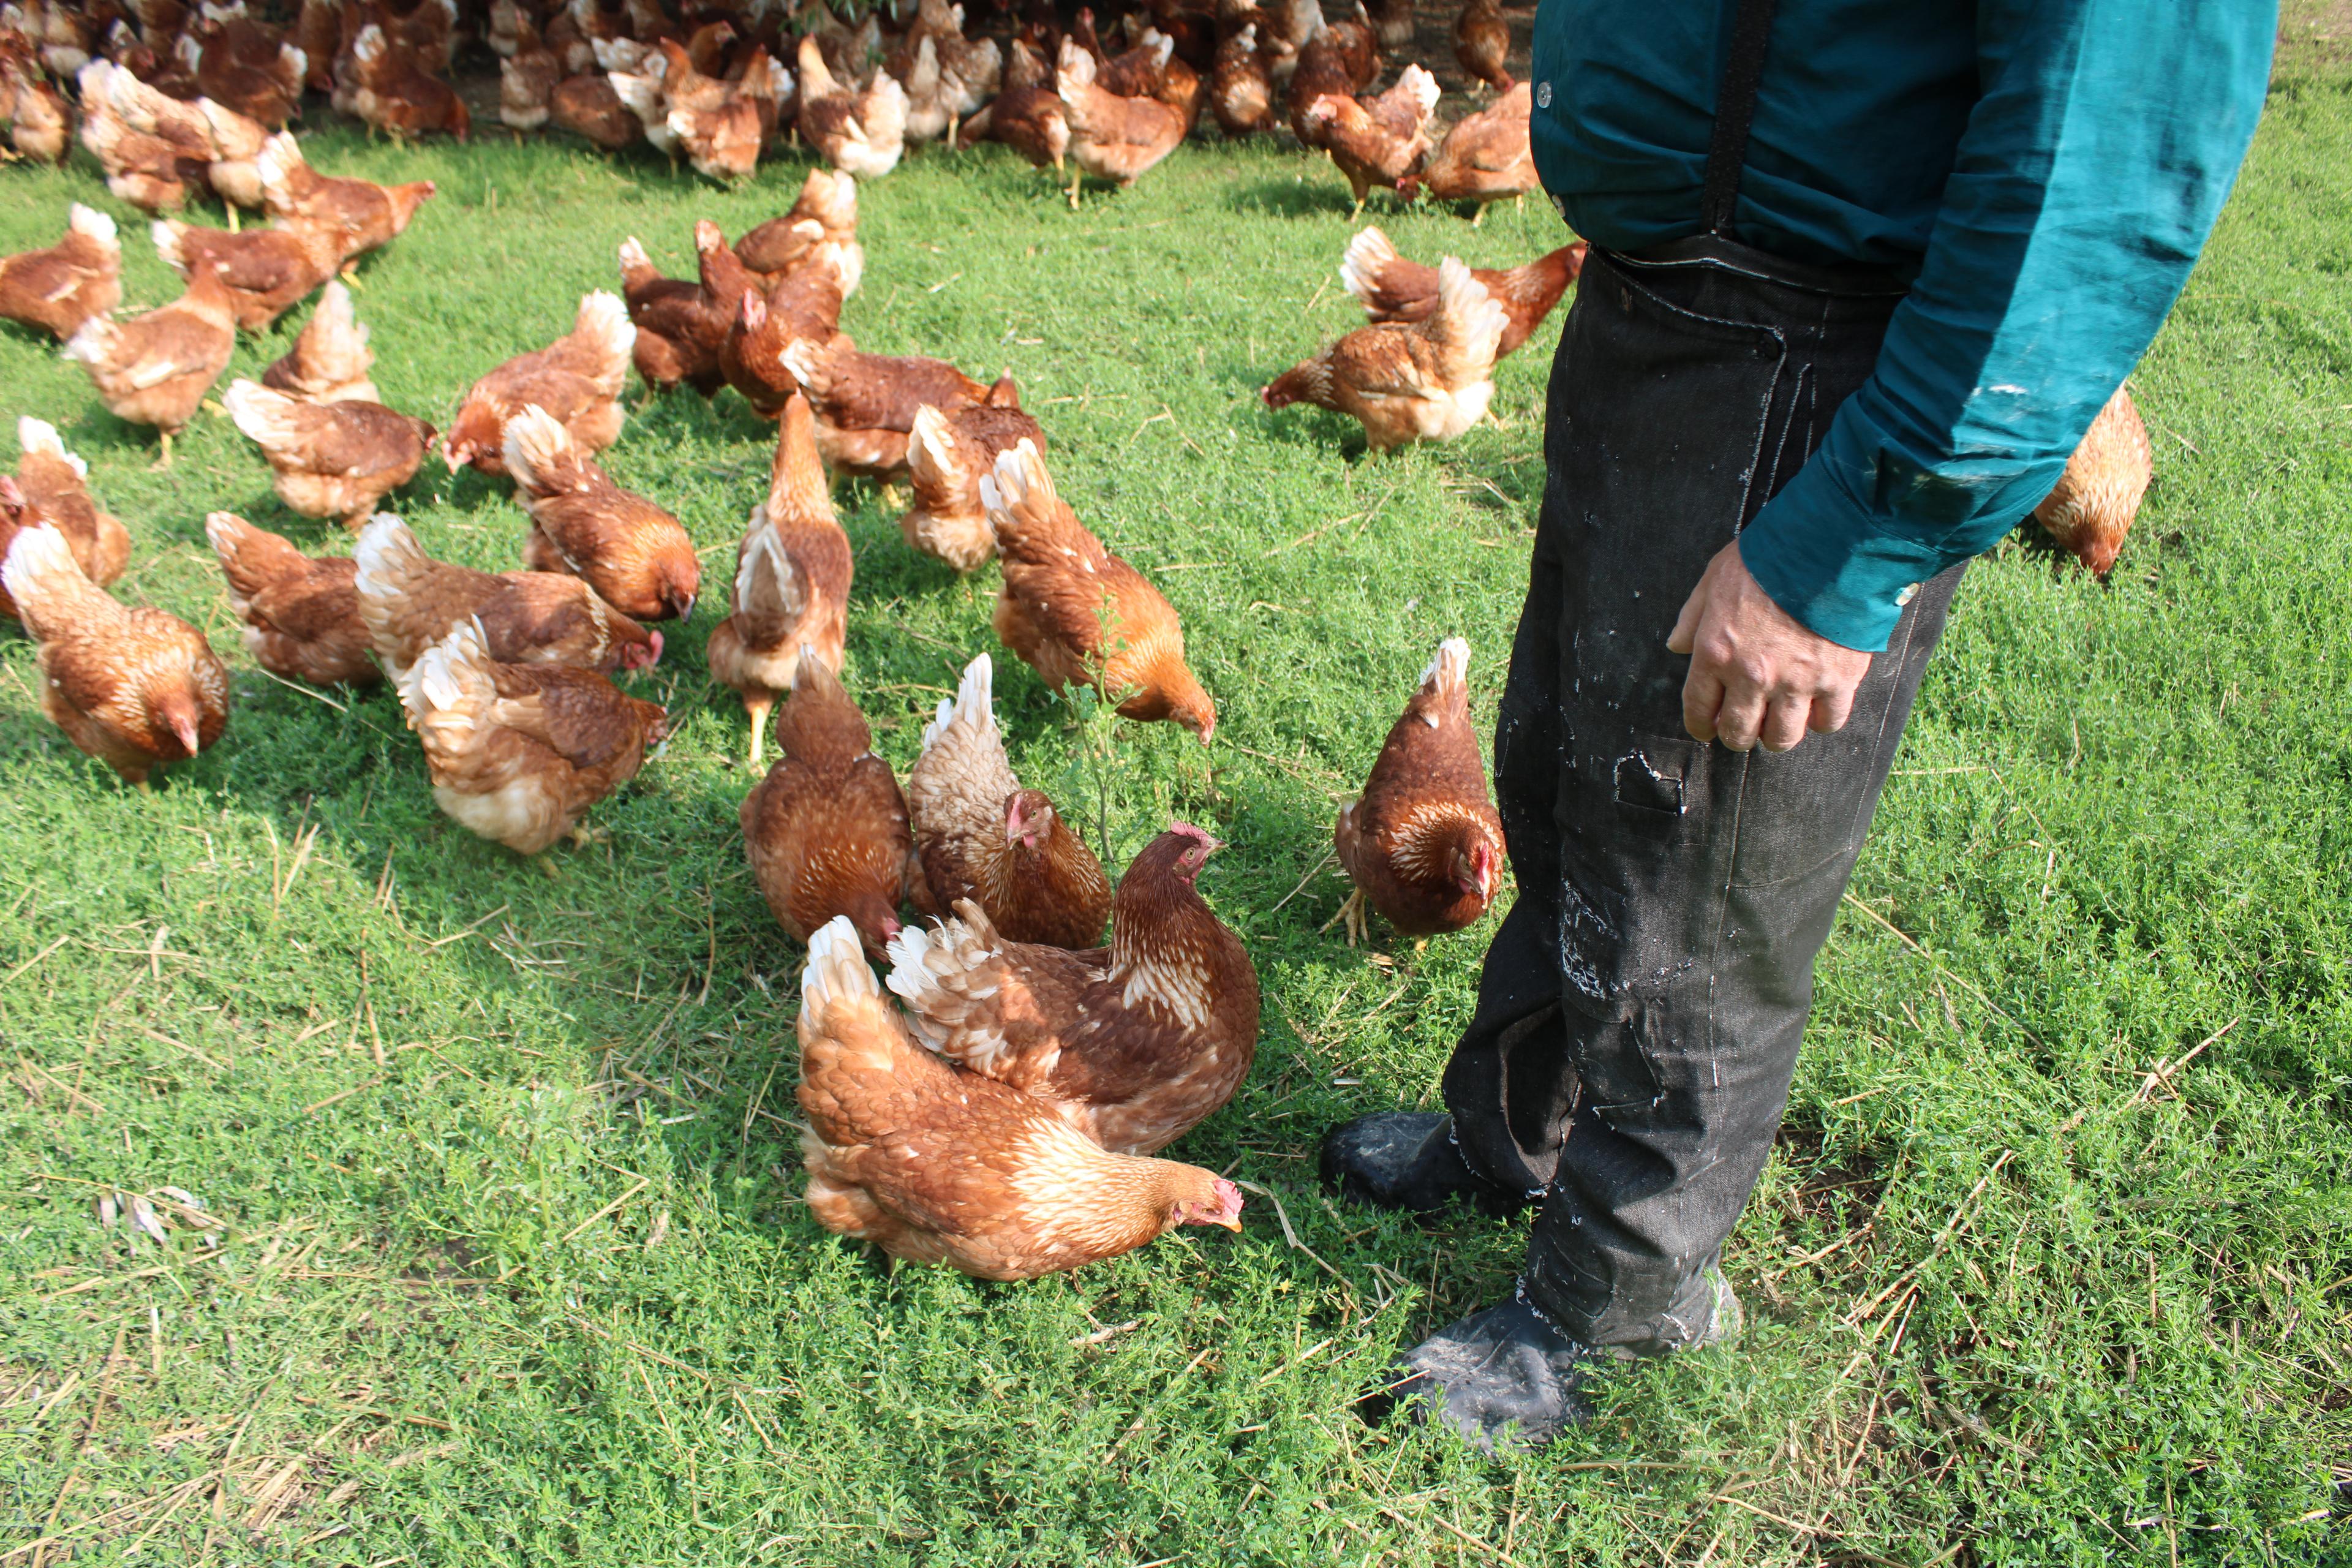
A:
[2090,173]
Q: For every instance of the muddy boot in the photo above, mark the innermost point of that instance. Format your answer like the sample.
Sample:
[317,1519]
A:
[1503,1378]
[1408,1159]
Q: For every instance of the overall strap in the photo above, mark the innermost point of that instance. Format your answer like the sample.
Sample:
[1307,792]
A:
[1735,110]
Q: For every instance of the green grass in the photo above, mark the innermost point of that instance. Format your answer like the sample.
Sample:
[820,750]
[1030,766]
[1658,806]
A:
[509,1262]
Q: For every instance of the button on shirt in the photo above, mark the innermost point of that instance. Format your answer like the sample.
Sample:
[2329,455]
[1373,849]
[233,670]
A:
[2043,171]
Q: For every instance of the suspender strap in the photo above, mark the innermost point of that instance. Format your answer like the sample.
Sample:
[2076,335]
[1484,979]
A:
[1735,110]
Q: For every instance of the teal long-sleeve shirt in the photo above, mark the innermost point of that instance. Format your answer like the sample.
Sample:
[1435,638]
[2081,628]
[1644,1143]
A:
[2043,171]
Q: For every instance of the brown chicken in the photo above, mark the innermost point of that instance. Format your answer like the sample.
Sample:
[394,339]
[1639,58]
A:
[331,360]
[51,489]
[825,830]
[1427,381]
[578,379]
[1177,85]
[1134,1044]
[976,67]
[804,309]
[331,461]
[861,132]
[791,581]
[713,123]
[587,106]
[1392,21]
[825,211]
[529,74]
[155,369]
[1240,89]
[1111,138]
[368,216]
[148,172]
[248,68]
[301,615]
[408,602]
[1080,615]
[1484,158]
[235,171]
[934,1163]
[1423,843]
[398,93]
[1027,116]
[134,688]
[1379,142]
[635,555]
[980,835]
[2092,509]
[1394,290]
[1482,43]
[40,126]
[518,752]
[268,270]
[1331,64]
[865,404]
[682,326]
[73,282]
[947,455]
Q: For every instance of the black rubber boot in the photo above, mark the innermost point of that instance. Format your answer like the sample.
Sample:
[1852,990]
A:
[1408,1159]
[1501,1378]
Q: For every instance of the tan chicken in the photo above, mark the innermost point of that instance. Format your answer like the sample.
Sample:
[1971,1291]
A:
[860,132]
[518,752]
[1428,381]
[73,282]
[396,91]
[369,216]
[1241,88]
[155,369]
[1112,138]
[1482,43]
[934,1163]
[1379,142]
[136,688]
[578,379]
[947,455]
[825,212]
[248,68]
[52,488]
[1484,158]
[865,404]
[825,830]
[1394,290]
[268,270]
[408,602]
[792,573]
[980,835]
[635,555]
[331,461]
[1080,615]
[301,615]
[234,173]
[331,360]
[682,326]
[804,309]
[528,73]
[1133,1045]
[1423,843]
[2092,509]
[40,126]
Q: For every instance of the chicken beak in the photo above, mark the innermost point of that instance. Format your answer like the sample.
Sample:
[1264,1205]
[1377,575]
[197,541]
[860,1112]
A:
[184,728]
[1231,1222]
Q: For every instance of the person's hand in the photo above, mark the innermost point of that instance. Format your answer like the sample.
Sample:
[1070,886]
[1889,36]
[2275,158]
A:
[1755,673]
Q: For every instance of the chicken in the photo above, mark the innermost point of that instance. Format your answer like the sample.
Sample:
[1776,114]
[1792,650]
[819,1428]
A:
[155,369]
[301,615]
[1375,143]
[1423,843]
[588,106]
[332,460]
[804,309]
[318,34]
[825,829]
[49,488]
[635,555]
[865,404]
[1394,290]
[715,123]
[791,581]
[933,95]
[1328,64]
[268,270]
[518,752]
[408,602]
[396,92]
[1482,43]
[825,212]
[1076,613]
[529,74]
[73,282]
[146,171]
[1483,159]
[2092,509]
[1133,1045]
[234,173]
[134,688]
[578,379]
[858,133]
[1111,138]
[40,126]
[682,326]
[1027,116]
[974,69]
[947,452]
[368,216]
[1391,22]
[934,1163]
[1176,83]
[1430,380]
[331,360]
[248,68]
[63,32]
[1241,91]
[980,835]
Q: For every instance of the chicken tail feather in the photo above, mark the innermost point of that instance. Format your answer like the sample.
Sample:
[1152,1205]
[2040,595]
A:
[542,456]
[42,576]
[1467,326]
[251,558]
[94,226]
[1449,671]
[974,706]
[1368,255]
[38,437]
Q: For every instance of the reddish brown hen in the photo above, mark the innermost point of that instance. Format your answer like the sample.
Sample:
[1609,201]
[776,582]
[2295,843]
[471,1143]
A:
[865,404]
[331,461]
[155,369]
[367,216]
[1377,142]
[1427,381]
[2092,509]
[52,488]
[1394,290]
[62,288]
[268,270]
[578,379]
[301,615]
[395,92]
[1482,43]
[948,454]
[1485,157]
[331,360]
[1112,138]
[681,326]
[805,308]
[408,602]
[634,554]
[825,211]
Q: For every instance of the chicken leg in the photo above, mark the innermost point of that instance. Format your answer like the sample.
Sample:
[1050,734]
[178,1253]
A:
[756,708]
